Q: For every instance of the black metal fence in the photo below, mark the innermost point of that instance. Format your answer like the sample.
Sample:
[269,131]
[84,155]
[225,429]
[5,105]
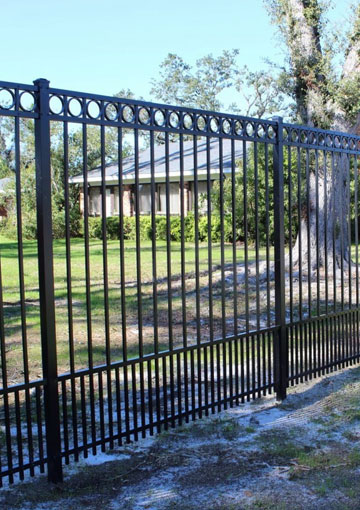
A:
[215,260]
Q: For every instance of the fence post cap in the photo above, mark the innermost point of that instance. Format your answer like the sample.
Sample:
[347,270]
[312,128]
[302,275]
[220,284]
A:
[42,82]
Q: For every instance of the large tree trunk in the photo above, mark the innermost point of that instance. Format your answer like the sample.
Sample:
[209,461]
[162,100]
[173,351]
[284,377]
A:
[324,231]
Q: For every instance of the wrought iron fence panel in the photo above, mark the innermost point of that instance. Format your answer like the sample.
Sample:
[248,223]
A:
[181,262]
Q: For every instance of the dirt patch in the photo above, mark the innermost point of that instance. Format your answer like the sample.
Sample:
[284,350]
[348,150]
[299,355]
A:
[279,446]
[98,481]
[221,465]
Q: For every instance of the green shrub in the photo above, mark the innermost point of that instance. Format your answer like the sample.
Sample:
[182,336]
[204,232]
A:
[175,228]
[8,227]
[203,228]
[95,229]
[146,230]
[128,228]
[112,227]
[189,227]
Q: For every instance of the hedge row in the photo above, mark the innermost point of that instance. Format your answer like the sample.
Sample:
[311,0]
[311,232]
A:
[146,231]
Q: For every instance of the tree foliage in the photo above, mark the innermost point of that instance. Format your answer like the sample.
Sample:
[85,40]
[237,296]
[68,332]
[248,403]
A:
[28,179]
[319,76]
[202,85]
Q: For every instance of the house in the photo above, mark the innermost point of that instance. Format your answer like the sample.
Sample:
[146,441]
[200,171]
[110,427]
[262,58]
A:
[4,183]
[144,165]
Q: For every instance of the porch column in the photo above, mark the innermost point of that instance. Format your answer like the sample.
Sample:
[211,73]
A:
[186,197]
[128,205]
[81,201]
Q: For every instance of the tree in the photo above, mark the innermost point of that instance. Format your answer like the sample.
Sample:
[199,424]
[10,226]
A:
[202,85]
[323,98]
[27,172]
[309,90]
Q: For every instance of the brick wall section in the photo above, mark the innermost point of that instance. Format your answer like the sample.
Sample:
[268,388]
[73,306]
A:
[128,203]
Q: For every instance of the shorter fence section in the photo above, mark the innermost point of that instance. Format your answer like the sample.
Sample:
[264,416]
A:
[321,345]
[108,406]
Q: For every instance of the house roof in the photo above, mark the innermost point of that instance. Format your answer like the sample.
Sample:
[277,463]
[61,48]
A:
[144,163]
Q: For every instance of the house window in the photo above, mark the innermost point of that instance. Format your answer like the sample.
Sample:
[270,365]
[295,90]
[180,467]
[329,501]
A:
[145,198]
[174,198]
[94,202]
[109,208]
[202,196]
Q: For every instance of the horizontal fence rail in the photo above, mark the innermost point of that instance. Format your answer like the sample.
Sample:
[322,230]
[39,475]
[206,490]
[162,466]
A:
[161,263]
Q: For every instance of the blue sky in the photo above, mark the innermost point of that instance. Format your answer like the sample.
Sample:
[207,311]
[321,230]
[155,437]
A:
[102,46]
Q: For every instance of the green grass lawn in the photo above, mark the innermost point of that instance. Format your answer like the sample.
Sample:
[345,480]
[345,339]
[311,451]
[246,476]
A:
[12,308]
[10,274]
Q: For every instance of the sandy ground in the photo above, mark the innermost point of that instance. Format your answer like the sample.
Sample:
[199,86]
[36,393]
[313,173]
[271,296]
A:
[302,453]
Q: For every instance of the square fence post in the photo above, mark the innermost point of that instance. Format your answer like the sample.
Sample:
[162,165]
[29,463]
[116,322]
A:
[280,338]
[46,282]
